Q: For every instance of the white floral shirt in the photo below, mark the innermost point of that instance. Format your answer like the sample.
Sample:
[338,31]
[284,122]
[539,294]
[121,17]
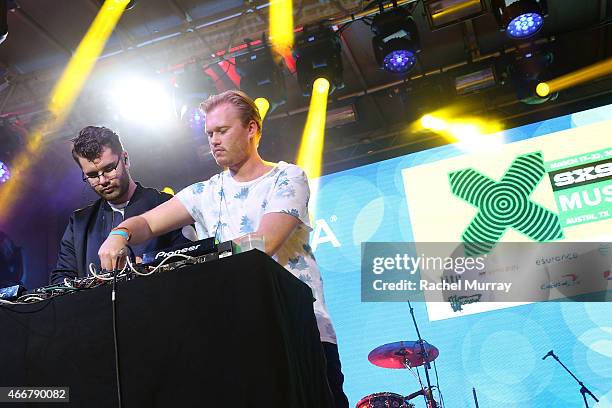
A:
[227,209]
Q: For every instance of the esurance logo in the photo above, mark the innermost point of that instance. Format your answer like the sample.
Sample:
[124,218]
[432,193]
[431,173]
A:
[505,204]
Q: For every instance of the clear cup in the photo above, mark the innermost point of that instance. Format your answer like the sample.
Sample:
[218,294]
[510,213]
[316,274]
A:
[250,241]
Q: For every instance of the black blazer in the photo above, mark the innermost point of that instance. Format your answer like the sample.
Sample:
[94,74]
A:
[89,227]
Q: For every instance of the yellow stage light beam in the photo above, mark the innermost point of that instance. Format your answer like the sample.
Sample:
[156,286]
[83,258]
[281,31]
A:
[281,26]
[311,148]
[263,105]
[63,95]
[433,123]
[310,155]
[577,77]
[471,134]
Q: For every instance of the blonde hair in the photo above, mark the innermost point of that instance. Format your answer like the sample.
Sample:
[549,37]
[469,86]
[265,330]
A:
[247,109]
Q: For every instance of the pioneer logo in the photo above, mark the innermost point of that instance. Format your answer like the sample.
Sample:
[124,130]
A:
[163,254]
[580,175]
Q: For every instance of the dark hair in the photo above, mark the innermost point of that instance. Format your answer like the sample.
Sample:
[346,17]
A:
[91,140]
[247,109]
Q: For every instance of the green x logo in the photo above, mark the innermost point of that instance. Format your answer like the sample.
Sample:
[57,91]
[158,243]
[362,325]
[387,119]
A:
[505,204]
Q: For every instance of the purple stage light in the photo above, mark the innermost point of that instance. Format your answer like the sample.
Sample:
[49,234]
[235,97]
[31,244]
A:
[399,61]
[5,174]
[525,25]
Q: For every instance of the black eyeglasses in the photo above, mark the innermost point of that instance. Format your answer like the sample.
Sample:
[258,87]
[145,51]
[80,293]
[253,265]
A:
[94,178]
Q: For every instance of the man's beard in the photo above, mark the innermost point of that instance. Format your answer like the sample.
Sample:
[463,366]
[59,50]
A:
[118,190]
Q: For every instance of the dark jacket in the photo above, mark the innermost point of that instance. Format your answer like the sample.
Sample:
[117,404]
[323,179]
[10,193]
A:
[89,227]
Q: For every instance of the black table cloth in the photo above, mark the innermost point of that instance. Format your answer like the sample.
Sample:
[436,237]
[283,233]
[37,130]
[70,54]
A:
[236,332]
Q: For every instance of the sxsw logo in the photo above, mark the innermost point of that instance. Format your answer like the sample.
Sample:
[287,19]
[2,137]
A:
[505,204]
[580,175]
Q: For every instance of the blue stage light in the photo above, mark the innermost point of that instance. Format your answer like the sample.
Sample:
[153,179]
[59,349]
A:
[399,61]
[396,40]
[525,25]
[5,174]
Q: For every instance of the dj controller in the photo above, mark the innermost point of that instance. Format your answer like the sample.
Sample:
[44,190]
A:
[167,259]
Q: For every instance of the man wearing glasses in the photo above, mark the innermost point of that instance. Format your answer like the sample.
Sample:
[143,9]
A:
[99,153]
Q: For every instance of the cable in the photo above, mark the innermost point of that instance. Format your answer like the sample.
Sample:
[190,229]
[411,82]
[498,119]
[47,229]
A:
[28,298]
[115,337]
[221,197]
[440,397]
[92,268]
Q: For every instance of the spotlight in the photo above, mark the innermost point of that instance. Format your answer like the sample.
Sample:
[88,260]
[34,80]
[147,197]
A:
[520,18]
[317,54]
[529,69]
[5,174]
[261,77]
[192,87]
[263,105]
[143,100]
[396,40]
[442,13]
[475,80]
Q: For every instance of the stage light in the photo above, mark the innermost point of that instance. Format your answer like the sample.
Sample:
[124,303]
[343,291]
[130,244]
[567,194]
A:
[193,116]
[261,76]
[582,75]
[191,87]
[5,174]
[310,153]
[396,40]
[520,18]
[317,54]
[471,134]
[475,81]
[142,100]
[433,123]
[263,106]
[442,13]
[63,96]
[529,69]
[281,26]
[543,90]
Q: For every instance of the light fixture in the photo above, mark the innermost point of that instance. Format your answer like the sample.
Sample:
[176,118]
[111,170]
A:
[396,40]
[528,70]
[317,54]
[142,99]
[5,174]
[442,13]
[261,76]
[475,80]
[520,19]
[192,87]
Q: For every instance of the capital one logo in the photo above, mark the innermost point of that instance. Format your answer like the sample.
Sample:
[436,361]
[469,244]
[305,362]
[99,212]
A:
[505,204]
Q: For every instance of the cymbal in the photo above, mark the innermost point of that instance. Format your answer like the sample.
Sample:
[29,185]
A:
[402,353]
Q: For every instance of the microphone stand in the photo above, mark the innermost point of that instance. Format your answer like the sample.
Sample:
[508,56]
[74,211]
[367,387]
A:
[583,389]
[429,394]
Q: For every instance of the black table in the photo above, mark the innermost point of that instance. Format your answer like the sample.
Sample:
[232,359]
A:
[236,332]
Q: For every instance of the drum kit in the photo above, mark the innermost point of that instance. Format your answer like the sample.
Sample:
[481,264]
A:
[404,355]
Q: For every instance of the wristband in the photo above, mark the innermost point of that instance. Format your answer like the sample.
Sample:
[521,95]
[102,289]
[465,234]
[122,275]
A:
[124,232]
